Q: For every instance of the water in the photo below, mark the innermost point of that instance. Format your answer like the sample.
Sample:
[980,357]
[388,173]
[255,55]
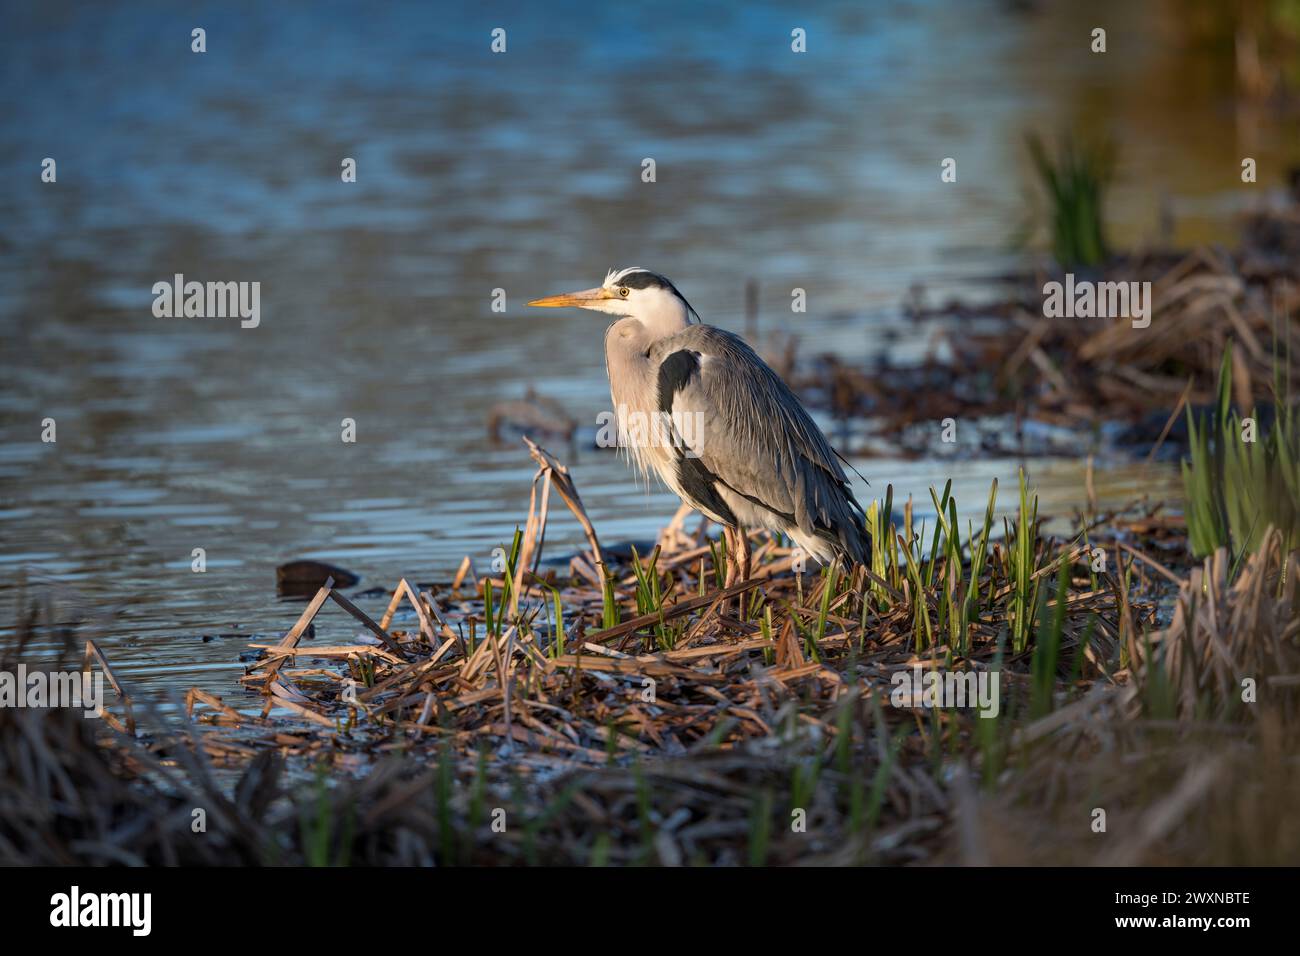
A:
[477,172]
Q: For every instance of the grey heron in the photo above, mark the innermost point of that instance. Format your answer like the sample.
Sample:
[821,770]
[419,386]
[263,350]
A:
[737,444]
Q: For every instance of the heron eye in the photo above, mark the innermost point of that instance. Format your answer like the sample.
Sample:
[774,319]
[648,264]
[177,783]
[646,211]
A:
[623,292]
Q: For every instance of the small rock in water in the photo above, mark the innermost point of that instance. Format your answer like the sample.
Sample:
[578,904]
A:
[305,578]
[212,637]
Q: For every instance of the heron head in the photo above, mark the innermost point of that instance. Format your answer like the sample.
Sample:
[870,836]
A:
[635,292]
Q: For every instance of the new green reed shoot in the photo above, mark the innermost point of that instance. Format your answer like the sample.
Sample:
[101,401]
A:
[645,826]
[718,552]
[950,614]
[611,615]
[1043,664]
[828,589]
[765,627]
[971,604]
[1240,480]
[959,602]
[650,598]
[921,611]
[884,557]
[557,642]
[803,783]
[940,510]
[880,779]
[318,832]
[760,827]
[1075,182]
[1022,566]
[993,734]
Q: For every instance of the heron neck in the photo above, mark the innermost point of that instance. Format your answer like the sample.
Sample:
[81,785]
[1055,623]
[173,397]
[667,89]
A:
[661,322]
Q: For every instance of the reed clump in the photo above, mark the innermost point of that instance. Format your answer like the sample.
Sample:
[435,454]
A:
[1233,640]
[1243,475]
[628,712]
[1010,360]
[1074,183]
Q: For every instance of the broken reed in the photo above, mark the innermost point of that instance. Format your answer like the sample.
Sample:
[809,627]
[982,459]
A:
[1243,479]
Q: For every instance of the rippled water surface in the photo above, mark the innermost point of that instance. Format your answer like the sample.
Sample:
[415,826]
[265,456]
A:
[478,172]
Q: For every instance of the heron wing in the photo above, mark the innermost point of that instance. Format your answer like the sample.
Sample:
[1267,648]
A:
[740,426]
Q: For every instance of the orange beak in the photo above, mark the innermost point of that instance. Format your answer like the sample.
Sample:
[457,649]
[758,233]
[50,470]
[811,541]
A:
[580,300]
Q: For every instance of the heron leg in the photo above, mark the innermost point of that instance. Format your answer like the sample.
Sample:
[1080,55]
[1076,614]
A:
[742,555]
[729,536]
[742,567]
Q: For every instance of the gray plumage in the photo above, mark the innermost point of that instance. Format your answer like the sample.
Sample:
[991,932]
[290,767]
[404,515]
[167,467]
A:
[760,444]
[741,448]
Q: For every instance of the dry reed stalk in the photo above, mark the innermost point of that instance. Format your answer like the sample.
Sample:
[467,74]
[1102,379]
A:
[1226,631]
